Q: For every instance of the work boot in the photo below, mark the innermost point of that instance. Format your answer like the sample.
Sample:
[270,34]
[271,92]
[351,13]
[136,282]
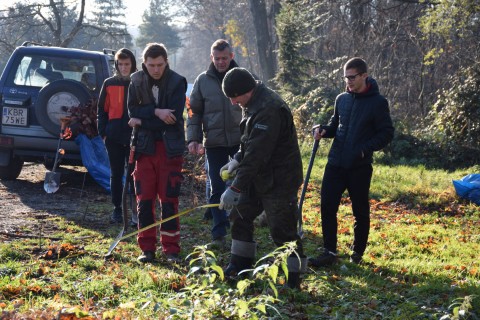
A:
[294,280]
[173,257]
[117,215]
[146,256]
[326,259]
[236,265]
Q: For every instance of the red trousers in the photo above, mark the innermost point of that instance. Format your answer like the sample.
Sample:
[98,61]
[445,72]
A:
[157,176]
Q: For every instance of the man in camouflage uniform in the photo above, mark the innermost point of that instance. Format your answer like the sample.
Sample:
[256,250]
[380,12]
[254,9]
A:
[268,173]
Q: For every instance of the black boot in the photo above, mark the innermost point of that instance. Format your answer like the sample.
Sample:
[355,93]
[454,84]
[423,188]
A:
[236,265]
[294,280]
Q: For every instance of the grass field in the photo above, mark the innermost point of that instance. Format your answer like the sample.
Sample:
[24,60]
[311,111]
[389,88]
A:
[422,262]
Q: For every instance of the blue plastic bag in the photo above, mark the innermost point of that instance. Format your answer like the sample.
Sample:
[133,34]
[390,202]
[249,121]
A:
[95,159]
[468,187]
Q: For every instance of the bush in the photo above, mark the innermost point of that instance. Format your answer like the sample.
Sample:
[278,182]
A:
[412,150]
[455,118]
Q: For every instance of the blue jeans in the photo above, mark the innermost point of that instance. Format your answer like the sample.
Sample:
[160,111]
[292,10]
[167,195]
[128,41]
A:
[217,158]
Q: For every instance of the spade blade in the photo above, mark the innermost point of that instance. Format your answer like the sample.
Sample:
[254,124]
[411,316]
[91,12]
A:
[52,182]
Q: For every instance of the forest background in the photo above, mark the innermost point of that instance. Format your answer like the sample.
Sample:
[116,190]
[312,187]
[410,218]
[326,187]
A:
[424,54]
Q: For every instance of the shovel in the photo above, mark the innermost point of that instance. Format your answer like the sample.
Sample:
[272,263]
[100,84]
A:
[130,167]
[52,178]
[305,184]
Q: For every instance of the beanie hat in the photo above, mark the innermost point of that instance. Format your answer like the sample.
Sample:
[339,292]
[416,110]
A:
[130,54]
[237,82]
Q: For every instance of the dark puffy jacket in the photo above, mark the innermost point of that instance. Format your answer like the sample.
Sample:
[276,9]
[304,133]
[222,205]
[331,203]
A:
[211,112]
[361,123]
[141,103]
[269,155]
[112,113]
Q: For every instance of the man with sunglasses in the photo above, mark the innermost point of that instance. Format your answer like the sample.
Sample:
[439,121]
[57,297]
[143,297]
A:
[360,125]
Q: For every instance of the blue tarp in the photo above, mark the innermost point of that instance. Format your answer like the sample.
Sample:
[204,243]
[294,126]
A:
[468,187]
[95,159]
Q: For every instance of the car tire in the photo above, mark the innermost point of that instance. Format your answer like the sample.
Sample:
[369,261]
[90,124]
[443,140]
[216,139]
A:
[12,171]
[55,100]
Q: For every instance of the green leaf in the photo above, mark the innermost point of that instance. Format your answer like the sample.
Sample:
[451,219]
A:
[242,285]
[273,272]
[242,308]
[272,286]
[285,269]
[261,307]
[218,270]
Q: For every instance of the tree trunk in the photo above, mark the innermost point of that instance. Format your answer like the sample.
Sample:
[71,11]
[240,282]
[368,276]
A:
[264,43]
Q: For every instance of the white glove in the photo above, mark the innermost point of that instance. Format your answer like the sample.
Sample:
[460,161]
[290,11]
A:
[230,167]
[229,199]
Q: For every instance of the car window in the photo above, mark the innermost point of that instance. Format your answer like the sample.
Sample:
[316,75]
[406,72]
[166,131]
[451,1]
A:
[37,70]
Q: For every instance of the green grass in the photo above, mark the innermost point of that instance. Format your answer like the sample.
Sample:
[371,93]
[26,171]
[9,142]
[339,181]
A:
[422,262]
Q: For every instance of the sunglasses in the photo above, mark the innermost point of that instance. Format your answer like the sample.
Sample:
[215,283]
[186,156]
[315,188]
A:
[351,78]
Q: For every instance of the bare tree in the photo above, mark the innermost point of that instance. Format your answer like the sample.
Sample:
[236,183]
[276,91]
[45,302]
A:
[56,22]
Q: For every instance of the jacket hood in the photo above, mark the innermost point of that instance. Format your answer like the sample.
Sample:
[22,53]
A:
[132,58]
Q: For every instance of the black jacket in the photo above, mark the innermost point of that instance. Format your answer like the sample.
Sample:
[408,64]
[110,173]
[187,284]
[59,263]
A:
[269,155]
[141,104]
[361,123]
[112,113]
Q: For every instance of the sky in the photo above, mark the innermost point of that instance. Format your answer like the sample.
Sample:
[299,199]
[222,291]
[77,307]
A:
[134,12]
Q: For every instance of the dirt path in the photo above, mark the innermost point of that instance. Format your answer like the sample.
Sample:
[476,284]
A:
[26,210]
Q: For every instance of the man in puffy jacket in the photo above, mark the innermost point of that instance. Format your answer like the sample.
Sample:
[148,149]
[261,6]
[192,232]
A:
[156,100]
[268,173]
[213,123]
[112,122]
[360,125]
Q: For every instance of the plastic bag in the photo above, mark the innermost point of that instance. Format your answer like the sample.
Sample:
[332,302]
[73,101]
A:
[468,187]
[95,159]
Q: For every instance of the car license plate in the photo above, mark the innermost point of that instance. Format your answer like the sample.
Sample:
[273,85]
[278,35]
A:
[15,116]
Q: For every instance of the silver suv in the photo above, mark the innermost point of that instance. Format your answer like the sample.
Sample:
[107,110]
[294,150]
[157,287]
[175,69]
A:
[38,86]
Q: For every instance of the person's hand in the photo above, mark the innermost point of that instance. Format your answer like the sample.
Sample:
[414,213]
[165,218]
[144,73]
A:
[230,167]
[133,122]
[318,133]
[196,148]
[166,115]
[229,199]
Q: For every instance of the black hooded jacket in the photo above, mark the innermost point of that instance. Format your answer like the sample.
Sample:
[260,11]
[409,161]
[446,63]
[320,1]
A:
[361,123]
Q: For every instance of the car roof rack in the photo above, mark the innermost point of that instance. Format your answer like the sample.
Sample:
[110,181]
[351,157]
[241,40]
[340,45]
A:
[32,43]
[109,51]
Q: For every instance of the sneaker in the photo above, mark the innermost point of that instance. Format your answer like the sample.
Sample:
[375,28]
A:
[326,259]
[117,216]
[173,257]
[146,256]
[356,258]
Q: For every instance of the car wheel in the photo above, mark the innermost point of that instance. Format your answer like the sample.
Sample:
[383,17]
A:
[12,171]
[56,99]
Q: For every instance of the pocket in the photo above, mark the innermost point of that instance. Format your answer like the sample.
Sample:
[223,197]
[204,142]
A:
[174,142]
[174,183]
[145,142]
